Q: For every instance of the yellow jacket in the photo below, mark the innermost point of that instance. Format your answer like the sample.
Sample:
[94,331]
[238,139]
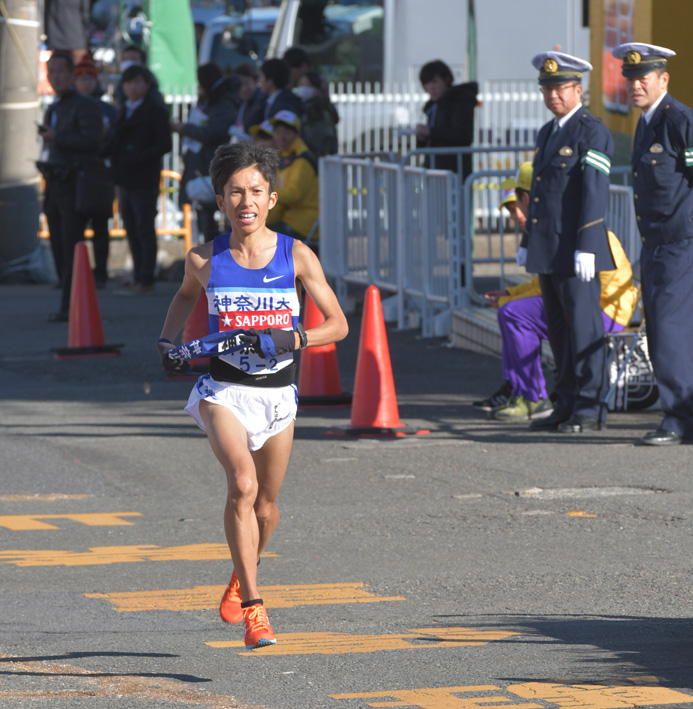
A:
[297,189]
[619,296]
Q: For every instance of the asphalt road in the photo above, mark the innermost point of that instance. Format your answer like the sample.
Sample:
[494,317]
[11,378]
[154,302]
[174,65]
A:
[477,565]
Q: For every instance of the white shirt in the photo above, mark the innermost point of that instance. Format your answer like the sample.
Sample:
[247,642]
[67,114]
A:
[131,107]
[567,117]
[650,111]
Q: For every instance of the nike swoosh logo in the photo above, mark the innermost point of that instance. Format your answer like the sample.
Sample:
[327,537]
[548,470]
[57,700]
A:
[268,280]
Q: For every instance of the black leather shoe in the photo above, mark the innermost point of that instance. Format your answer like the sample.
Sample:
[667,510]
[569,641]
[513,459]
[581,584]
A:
[661,437]
[578,423]
[550,423]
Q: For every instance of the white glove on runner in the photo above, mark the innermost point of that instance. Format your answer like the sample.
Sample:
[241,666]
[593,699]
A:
[584,265]
[521,256]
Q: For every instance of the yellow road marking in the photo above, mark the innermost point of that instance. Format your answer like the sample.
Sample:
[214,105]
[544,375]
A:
[342,643]
[91,519]
[580,513]
[51,497]
[438,698]
[574,696]
[207,597]
[592,696]
[117,555]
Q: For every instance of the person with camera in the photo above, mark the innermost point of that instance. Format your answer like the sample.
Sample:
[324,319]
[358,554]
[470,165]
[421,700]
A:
[71,132]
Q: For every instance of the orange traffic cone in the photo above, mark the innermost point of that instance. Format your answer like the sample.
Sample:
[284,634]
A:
[318,375]
[374,410]
[196,326]
[85,334]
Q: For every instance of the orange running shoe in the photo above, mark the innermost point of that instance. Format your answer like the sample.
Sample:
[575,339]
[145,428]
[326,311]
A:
[230,608]
[258,631]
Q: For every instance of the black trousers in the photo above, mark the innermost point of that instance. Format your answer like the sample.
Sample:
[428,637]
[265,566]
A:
[576,334]
[138,210]
[66,228]
[667,294]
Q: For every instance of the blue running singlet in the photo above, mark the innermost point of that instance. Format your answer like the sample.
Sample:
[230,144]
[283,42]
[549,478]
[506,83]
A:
[240,297]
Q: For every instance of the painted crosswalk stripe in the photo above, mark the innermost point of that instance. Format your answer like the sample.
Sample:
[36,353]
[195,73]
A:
[343,643]
[572,696]
[91,519]
[117,555]
[207,597]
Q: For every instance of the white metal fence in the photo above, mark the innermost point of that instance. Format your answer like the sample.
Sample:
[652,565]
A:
[379,118]
[394,227]
[404,230]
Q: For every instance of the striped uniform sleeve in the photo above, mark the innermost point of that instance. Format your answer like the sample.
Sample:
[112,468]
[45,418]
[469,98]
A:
[598,160]
[595,157]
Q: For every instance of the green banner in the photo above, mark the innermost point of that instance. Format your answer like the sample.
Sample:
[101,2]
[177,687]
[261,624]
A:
[168,37]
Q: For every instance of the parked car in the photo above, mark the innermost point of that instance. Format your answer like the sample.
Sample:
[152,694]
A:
[231,40]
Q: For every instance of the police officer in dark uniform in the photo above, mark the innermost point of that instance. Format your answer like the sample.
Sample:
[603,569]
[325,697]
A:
[663,194]
[566,242]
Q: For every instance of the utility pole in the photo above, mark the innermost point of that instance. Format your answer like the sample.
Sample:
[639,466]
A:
[20,253]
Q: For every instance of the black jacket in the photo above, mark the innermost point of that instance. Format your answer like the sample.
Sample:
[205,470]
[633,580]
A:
[77,121]
[451,122]
[139,144]
[286,100]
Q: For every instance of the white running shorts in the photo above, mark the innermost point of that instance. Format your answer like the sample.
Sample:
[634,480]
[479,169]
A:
[263,411]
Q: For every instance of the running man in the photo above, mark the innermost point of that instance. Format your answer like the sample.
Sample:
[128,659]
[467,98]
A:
[247,403]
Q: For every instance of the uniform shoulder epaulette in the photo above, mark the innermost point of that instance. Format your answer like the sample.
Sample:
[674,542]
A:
[677,112]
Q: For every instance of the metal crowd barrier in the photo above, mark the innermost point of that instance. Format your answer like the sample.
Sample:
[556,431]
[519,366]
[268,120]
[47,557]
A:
[405,229]
[395,228]
[484,241]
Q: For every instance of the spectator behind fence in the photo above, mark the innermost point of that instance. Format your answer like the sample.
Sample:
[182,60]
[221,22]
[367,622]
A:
[251,96]
[320,117]
[522,319]
[263,134]
[450,116]
[298,62]
[274,80]
[297,180]
[206,129]
[87,83]
[130,56]
[142,136]
[71,133]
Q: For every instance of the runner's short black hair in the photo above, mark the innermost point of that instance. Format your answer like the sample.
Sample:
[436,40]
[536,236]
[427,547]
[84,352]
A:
[229,159]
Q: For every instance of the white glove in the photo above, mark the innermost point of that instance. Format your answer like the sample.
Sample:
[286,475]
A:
[521,256]
[584,265]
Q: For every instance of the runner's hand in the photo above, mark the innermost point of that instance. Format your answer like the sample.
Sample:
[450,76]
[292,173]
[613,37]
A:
[270,342]
[172,366]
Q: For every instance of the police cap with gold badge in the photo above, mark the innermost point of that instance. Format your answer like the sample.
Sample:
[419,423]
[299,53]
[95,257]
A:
[559,68]
[640,59]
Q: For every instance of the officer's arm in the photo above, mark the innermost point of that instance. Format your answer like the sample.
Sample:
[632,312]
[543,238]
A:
[595,160]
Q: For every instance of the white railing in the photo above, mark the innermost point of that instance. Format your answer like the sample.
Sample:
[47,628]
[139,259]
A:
[378,117]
